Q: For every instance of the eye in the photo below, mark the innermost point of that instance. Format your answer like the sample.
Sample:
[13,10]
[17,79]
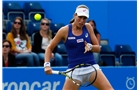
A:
[80,17]
[85,17]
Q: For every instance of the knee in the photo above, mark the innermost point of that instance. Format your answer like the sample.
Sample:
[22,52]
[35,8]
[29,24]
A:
[41,56]
[34,55]
[29,57]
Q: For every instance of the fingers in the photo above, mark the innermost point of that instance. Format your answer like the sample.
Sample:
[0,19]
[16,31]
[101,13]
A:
[85,43]
[86,47]
[85,50]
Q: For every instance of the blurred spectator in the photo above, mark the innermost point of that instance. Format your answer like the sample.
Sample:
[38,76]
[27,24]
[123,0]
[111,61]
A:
[8,58]
[97,34]
[42,40]
[21,44]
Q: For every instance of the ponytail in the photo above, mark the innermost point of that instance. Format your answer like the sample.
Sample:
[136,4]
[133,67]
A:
[72,20]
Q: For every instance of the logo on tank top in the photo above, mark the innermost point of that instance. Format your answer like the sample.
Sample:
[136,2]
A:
[86,35]
[69,38]
[80,40]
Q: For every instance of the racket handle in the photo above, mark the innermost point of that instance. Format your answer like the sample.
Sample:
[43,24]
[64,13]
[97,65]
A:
[55,72]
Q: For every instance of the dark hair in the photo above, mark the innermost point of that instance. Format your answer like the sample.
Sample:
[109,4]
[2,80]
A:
[92,21]
[8,42]
[72,20]
[23,35]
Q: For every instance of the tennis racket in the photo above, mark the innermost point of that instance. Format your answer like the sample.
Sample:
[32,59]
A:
[65,73]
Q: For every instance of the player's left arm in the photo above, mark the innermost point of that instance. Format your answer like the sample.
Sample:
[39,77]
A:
[95,44]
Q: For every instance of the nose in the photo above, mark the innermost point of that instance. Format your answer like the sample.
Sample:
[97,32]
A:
[82,20]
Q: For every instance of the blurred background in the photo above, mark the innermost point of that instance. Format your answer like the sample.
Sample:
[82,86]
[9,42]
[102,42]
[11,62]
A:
[115,20]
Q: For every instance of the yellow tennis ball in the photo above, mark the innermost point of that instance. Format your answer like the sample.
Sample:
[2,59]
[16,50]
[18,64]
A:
[37,17]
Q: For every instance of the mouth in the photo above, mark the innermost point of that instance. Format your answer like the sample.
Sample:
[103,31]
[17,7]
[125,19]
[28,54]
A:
[80,24]
[4,50]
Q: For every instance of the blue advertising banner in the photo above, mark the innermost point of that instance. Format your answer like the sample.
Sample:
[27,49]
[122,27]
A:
[26,78]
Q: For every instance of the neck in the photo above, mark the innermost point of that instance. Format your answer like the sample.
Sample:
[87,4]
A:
[5,55]
[76,28]
[44,32]
[17,30]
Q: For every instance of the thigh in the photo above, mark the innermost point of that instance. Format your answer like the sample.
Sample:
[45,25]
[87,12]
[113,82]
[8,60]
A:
[57,56]
[22,55]
[101,82]
[33,54]
[58,59]
[69,85]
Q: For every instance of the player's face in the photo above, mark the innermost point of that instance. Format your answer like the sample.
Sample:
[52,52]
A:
[45,25]
[80,21]
[6,47]
[92,24]
[17,24]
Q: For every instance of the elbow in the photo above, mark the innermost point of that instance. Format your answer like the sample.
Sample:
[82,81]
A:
[97,49]
[48,48]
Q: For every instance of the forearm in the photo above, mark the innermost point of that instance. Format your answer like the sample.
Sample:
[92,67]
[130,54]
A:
[17,51]
[95,48]
[48,54]
[98,38]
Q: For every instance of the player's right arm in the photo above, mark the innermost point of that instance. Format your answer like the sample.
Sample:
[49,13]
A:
[60,35]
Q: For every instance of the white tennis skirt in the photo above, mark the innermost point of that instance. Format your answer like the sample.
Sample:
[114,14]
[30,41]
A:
[83,74]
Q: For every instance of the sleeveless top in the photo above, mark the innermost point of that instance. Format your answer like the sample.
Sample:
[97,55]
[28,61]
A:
[75,48]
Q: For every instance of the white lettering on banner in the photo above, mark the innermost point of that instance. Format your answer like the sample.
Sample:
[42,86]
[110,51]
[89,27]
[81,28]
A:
[47,87]
[12,84]
[22,84]
[44,86]
[55,84]
[4,85]
[33,85]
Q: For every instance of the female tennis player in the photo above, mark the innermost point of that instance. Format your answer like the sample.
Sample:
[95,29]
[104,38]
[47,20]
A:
[80,43]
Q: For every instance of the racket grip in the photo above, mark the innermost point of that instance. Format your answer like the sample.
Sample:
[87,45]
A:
[55,72]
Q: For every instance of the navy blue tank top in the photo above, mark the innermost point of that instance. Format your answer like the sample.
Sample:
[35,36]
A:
[75,48]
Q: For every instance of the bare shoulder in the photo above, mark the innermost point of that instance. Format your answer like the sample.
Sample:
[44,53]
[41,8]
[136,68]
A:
[62,32]
[63,29]
[89,27]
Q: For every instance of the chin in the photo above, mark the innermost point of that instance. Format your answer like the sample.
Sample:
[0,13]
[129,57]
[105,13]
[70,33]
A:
[80,26]
[5,52]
